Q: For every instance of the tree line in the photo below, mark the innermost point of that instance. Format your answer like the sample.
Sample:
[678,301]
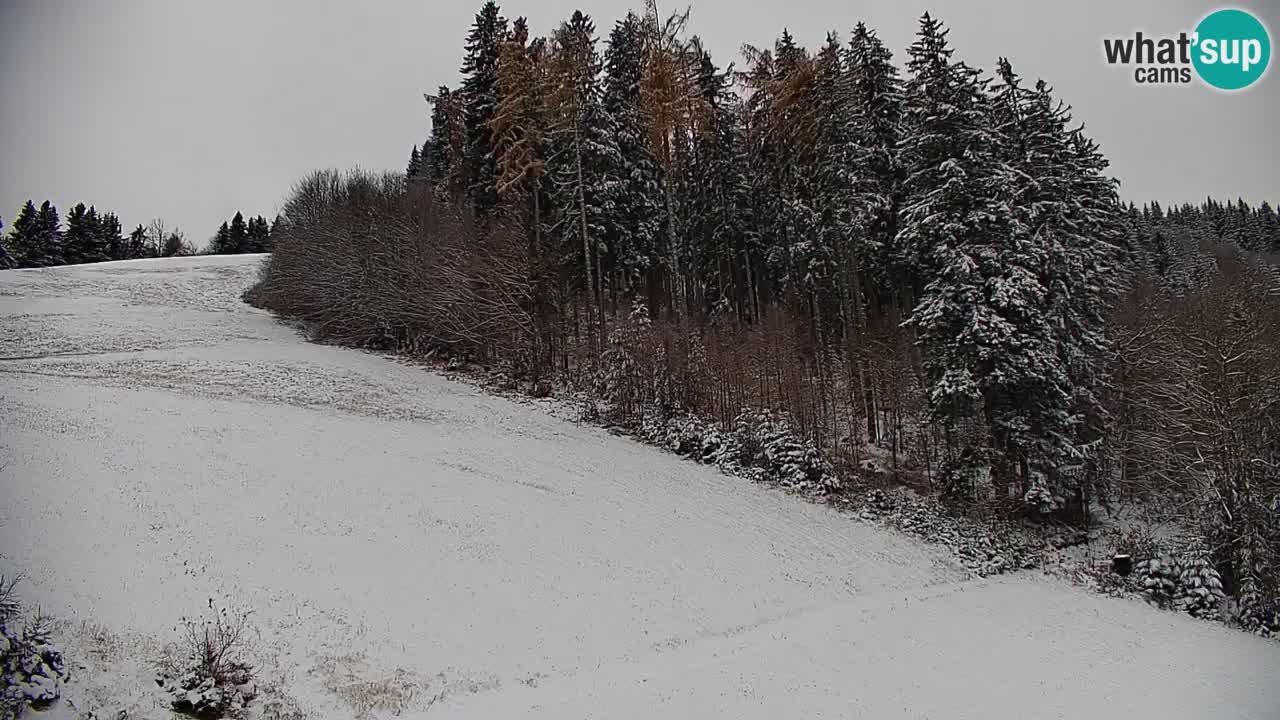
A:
[40,237]
[926,265]
[240,236]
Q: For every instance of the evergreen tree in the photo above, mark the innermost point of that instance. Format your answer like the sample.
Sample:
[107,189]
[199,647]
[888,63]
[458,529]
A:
[877,120]
[237,235]
[96,249]
[78,240]
[259,236]
[6,259]
[579,150]
[479,100]
[22,240]
[415,164]
[633,223]
[221,244]
[110,241]
[442,154]
[716,200]
[990,353]
[138,244]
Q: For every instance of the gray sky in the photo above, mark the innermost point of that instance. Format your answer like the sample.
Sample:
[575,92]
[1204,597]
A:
[193,110]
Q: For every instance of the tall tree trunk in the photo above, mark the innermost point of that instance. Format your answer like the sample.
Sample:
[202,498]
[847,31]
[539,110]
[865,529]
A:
[587,253]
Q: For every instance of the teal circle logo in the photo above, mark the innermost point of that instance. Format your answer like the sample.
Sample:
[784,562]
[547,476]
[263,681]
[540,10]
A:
[1232,49]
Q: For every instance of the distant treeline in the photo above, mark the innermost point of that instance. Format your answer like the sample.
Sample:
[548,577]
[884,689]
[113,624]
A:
[40,237]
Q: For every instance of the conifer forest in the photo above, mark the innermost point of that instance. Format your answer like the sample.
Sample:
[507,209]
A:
[840,257]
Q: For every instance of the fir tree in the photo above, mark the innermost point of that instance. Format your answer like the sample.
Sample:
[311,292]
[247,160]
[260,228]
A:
[990,353]
[110,241]
[415,164]
[96,249]
[258,236]
[79,238]
[579,150]
[137,245]
[479,100]
[6,259]
[716,201]
[22,239]
[221,244]
[237,235]
[634,228]
[48,236]
[876,99]
[444,150]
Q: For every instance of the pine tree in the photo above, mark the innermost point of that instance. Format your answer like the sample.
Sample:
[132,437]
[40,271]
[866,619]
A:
[579,150]
[48,236]
[76,239]
[990,353]
[479,100]
[877,120]
[259,236]
[221,244]
[672,108]
[22,237]
[6,259]
[634,228]
[443,152]
[110,241]
[1199,590]
[415,164]
[96,248]
[137,245]
[715,201]
[237,235]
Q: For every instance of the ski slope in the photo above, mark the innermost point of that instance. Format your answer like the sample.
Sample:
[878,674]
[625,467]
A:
[408,545]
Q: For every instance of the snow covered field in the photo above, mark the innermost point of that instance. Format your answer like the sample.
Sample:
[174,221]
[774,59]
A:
[407,544]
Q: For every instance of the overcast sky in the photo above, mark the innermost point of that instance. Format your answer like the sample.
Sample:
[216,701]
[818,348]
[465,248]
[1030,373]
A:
[193,110]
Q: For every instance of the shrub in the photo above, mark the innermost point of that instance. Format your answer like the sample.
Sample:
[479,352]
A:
[213,680]
[32,670]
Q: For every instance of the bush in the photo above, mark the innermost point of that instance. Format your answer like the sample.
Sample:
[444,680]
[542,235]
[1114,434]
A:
[362,260]
[32,670]
[213,680]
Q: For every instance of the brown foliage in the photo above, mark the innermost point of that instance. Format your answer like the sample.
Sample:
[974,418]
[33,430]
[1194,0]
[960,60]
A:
[362,260]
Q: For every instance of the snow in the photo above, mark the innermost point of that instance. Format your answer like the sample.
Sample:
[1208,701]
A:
[409,545]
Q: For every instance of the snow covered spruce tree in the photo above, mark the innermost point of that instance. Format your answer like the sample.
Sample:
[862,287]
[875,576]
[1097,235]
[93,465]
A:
[479,100]
[633,222]
[876,114]
[715,204]
[989,348]
[443,151]
[32,669]
[1071,212]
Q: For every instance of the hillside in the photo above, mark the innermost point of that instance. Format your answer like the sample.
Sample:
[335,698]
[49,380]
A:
[406,543]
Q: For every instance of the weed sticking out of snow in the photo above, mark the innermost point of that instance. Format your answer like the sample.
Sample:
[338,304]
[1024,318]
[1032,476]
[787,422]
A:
[213,679]
[368,694]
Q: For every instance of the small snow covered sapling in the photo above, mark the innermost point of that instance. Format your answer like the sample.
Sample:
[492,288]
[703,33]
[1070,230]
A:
[1199,586]
[214,680]
[31,667]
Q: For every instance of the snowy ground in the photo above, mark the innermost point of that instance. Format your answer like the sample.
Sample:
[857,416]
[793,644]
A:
[408,545]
